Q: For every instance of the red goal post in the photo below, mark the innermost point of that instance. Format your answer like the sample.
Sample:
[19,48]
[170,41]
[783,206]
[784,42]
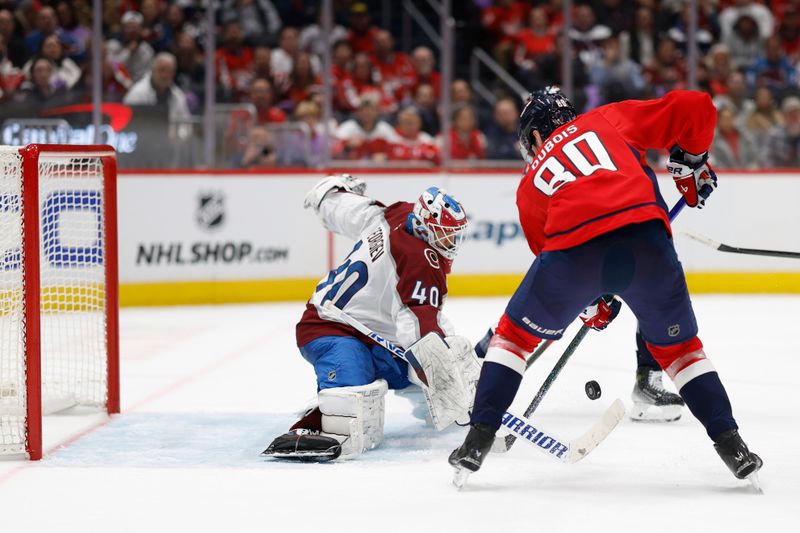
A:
[59,322]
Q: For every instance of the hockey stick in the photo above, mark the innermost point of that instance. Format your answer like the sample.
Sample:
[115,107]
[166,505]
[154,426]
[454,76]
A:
[573,345]
[547,442]
[736,250]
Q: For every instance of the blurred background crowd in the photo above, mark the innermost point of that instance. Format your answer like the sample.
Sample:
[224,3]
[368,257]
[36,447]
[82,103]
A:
[386,93]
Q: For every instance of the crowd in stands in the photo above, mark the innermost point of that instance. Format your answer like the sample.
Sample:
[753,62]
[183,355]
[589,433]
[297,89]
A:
[387,103]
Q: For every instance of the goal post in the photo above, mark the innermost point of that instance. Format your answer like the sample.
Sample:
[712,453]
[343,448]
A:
[59,322]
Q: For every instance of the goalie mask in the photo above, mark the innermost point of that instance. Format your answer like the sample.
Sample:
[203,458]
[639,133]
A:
[440,220]
[545,111]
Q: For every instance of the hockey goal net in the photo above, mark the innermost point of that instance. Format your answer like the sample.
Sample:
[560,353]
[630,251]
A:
[58,287]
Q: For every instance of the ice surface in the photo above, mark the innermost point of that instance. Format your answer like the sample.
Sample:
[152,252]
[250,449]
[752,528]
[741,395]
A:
[205,389]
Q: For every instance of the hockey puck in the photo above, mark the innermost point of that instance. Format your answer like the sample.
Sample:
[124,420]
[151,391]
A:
[592,389]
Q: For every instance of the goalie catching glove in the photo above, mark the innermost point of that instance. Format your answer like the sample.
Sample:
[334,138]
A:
[338,182]
[693,176]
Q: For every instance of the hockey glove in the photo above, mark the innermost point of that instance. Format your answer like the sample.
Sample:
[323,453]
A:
[693,176]
[600,314]
[339,182]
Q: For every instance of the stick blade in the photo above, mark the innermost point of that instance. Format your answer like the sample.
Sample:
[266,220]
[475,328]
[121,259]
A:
[583,445]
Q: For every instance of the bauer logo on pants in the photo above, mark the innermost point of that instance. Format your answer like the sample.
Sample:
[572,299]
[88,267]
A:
[530,433]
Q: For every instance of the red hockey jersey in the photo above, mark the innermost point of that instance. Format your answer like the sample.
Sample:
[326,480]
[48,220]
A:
[590,176]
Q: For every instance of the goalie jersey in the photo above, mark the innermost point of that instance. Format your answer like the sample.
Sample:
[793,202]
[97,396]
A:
[392,282]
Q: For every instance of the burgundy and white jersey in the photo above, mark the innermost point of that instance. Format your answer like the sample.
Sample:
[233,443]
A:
[392,282]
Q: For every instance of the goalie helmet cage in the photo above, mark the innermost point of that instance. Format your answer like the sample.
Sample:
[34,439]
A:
[59,322]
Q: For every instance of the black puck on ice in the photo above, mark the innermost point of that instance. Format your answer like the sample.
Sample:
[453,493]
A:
[592,389]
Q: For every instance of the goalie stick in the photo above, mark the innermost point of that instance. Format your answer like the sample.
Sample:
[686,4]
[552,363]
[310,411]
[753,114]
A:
[555,447]
[736,250]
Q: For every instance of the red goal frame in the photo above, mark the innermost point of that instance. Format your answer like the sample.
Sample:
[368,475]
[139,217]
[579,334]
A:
[31,155]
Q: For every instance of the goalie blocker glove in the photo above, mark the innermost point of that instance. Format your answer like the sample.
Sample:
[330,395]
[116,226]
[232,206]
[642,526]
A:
[693,176]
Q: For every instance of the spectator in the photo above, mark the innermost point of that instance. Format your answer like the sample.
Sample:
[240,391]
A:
[616,15]
[586,34]
[175,24]
[720,67]
[233,62]
[191,69]
[310,152]
[733,146]
[760,14]
[116,79]
[158,89]
[16,49]
[461,94]
[412,143]
[784,143]
[282,60]
[425,104]
[311,37]
[46,25]
[38,91]
[259,19]
[262,96]
[129,48]
[790,33]
[640,43]
[667,71]
[364,137]
[304,84]
[72,29]
[262,62]
[466,141]
[503,21]
[361,33]
[773,67]
[154,30]
[259,152]
[765,116]
[744,42]
[395,69]
[549,72]
[10,76]
[534,40]
[736,97]
[363,84]
[615,76]
[424,64]
[503,142]
[65,72]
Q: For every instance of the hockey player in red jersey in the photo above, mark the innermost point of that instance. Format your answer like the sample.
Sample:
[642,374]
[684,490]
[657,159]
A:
[394,282]
[592,213]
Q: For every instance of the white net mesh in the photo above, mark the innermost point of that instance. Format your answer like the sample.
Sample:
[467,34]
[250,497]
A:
[12,350]
[73,294]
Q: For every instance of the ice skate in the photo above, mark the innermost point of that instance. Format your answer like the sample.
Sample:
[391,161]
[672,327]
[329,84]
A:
[651,401]
[739,459]
[304,445]
[469,457]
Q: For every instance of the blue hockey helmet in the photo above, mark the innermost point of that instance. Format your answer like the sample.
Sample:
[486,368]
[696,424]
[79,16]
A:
[545,111]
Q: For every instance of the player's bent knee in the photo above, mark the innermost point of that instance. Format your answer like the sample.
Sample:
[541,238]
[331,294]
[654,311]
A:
[354,415]
[682,362]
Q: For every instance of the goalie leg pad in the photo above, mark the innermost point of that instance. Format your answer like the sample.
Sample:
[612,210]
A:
[354,415]
[448,393]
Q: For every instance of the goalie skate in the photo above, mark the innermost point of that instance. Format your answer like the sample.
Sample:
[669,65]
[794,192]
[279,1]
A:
[304,445]
[651,401]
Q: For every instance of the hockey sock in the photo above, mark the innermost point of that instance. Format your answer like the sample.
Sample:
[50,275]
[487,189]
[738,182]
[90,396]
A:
[496,390]
[709,403]
[643,355]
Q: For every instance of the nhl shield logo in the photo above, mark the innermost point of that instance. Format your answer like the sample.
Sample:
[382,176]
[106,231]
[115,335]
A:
[674,330]
[332,375]
[210,213]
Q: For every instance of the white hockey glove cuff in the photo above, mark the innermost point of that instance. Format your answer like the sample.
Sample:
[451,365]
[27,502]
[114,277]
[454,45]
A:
[354,415]
[338,182]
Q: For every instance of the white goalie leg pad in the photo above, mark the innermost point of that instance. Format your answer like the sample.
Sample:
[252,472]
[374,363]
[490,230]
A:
[448,394]
[354,415]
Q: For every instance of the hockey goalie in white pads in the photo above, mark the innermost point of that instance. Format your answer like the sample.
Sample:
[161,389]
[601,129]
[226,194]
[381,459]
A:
[394,281]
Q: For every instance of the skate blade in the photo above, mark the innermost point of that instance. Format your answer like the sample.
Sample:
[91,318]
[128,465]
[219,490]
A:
[308,456]
[460,477]
[755,482]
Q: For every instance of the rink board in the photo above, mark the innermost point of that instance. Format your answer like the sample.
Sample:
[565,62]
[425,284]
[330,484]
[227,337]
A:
[189,237]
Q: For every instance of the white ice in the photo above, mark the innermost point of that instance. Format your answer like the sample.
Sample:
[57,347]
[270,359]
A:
[205,389]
